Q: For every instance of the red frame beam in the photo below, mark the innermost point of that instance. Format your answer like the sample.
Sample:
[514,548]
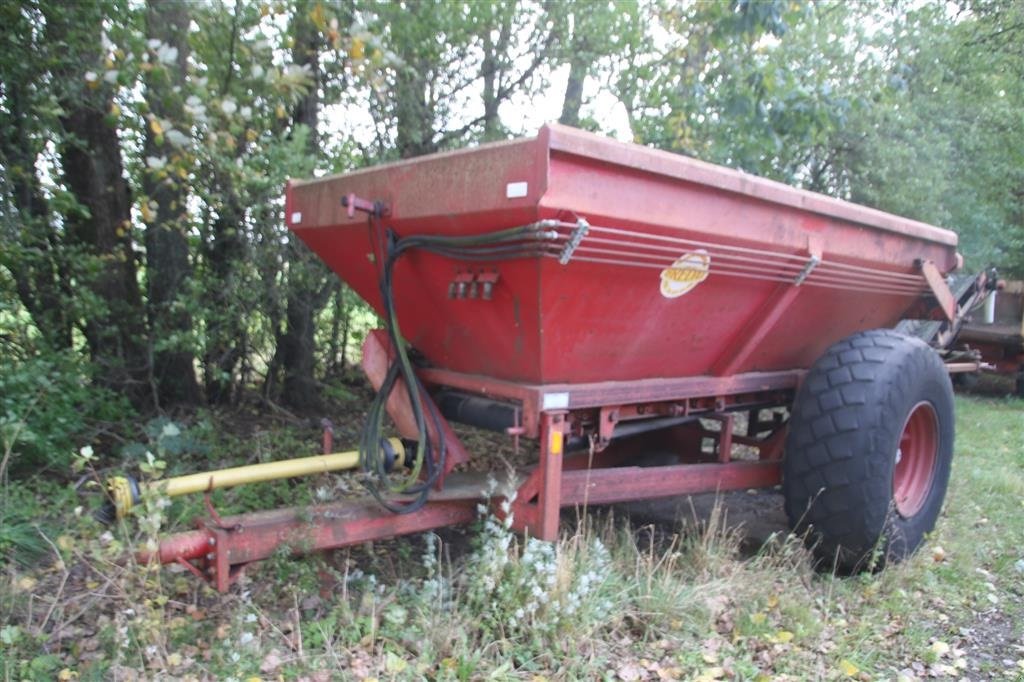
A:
[624,484]
[219,551]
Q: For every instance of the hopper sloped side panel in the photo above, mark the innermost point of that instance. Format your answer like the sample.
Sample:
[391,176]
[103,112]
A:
[610,321]
[466,192]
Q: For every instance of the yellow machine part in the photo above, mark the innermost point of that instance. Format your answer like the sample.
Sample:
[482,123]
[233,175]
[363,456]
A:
[120,488]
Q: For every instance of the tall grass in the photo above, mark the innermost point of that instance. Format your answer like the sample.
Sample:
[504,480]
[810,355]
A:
[610,600]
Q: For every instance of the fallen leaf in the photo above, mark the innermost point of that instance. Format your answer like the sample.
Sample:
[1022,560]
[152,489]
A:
[395,664]
[715,673]
[629,671]
[940,649]
[848,668]
[271,662]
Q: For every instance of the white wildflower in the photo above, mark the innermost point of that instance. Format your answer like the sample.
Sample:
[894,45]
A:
[155,163]
[167,54]
[177,138]
[195,108]
[298,70]
[228,106]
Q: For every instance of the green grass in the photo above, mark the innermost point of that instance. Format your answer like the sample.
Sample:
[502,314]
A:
[610,601]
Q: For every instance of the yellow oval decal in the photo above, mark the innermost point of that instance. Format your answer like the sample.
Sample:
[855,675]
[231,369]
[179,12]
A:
[688,271]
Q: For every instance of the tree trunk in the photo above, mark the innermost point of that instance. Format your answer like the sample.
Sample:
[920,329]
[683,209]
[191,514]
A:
[414,118]
[573,100]
[579,65]
[413,113]
[335,348]
[225,326]
[39,272]
[91,162]
[167,253]
[305,285]
[489,71]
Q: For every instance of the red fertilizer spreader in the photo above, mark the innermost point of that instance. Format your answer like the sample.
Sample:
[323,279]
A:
[607,301]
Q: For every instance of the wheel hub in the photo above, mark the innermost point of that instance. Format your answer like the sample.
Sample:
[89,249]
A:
[915,460]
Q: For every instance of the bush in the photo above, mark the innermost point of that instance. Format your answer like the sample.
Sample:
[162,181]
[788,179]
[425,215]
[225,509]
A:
[47,405]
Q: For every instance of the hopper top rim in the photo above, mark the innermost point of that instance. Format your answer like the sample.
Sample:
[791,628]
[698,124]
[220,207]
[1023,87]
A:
[564,139]
[659,162]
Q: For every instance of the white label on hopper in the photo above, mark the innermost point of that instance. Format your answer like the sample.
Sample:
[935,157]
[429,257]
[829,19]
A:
[555,401]
[516,190]
[296,218]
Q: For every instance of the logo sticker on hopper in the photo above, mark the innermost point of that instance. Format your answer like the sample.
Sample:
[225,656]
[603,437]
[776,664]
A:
[687,272]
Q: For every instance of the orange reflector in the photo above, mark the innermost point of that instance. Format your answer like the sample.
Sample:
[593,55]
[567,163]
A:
[555,443]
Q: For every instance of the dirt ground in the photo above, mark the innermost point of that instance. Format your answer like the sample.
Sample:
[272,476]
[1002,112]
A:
[756,515]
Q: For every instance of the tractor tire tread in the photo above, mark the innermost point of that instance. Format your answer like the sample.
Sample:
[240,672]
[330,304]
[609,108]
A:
[844,408]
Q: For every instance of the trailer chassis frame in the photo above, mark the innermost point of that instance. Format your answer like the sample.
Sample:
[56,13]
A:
[605,471]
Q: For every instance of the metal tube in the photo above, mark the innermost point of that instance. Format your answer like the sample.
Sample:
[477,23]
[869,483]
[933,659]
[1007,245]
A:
[255,473]
[756,252]
[125,495]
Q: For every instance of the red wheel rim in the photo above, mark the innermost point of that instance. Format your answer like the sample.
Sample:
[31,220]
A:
[915,460]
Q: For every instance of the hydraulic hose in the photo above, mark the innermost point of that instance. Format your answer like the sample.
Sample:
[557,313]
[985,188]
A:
[527,241]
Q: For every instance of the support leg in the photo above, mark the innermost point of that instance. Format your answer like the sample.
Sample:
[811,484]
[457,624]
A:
[552,440]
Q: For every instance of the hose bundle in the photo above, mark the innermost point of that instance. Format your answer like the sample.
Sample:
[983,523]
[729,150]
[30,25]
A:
[528,241]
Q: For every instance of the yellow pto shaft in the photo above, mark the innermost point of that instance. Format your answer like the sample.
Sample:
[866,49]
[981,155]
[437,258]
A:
[124,491]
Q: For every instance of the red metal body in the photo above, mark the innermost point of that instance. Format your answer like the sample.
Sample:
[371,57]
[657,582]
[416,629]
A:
[602,317]
[672,296]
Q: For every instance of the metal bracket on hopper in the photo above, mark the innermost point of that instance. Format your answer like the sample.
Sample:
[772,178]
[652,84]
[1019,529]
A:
[352,203]
[582,227]
[814,261]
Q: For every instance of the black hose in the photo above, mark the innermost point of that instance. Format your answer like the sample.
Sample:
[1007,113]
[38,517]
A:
[427,466]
